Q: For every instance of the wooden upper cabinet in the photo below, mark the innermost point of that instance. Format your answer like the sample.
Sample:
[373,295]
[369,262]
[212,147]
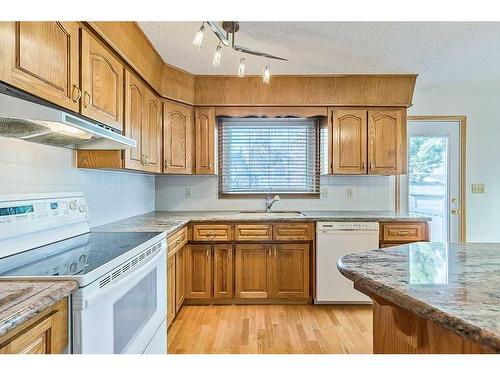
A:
[290,272]
[387,141]
[349,141]
[178,138]
[253,271]
[42,58]
[135,93]
[199,271]
[204,130]
[102,82]
[151,133]
[143,124]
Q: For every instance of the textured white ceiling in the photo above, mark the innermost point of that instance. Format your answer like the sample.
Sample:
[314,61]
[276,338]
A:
[444,54]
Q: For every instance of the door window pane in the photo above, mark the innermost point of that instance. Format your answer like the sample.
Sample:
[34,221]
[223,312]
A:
[428,182]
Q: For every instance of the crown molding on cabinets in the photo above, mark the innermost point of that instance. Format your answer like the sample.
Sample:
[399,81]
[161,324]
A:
[391,90]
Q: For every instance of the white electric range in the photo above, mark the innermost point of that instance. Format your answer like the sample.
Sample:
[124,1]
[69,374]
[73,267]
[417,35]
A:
[120,306]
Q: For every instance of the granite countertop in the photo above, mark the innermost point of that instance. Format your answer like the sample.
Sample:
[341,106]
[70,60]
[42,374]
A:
[456,286]
[171,221]
[21,300]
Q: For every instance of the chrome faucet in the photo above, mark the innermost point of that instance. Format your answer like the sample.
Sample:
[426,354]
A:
[270,201]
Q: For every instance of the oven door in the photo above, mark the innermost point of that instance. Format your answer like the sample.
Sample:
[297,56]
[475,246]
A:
[125,315]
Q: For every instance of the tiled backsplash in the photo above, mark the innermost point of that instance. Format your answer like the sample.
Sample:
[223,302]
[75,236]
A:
[31,168]
[369,193]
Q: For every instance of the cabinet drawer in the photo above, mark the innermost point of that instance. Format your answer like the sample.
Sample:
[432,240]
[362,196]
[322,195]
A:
[404,232]
[253,232]
[293,232]
[212,232]
[177,240]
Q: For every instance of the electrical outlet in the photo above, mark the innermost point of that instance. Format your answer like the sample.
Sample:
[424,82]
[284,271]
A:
[324,192]
[477,188]
[188,193]
[348,191]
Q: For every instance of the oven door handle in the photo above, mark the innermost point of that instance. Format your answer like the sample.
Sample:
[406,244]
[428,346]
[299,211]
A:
[135,276]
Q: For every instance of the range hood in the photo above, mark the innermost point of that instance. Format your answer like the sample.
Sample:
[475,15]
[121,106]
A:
[24,116]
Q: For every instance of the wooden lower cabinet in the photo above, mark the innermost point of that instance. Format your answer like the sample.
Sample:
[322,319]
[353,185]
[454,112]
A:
[199,271]
[180,278]
[46,333]
[290,273]
[253,271]
[170,290]
[223,271]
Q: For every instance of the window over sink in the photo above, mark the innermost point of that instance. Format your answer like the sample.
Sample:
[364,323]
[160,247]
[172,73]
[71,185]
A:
[269,155]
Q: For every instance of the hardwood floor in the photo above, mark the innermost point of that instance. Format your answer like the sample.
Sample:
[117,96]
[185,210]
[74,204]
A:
[290,329]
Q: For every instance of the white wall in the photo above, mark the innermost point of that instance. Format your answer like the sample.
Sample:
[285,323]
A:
[370,193]
[483,150]
[30,168]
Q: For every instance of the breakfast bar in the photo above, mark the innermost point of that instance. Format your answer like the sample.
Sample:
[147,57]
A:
[431,297]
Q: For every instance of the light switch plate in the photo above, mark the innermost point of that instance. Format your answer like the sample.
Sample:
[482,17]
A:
[477,188]
[188,193]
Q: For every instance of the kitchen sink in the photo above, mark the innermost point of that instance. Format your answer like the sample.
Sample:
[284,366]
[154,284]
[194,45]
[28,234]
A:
[262,213]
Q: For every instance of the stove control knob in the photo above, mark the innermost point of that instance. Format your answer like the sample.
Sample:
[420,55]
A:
[83,209]
[73,205]
[72,268]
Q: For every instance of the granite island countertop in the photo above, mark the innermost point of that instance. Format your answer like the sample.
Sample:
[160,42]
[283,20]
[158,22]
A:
[21,300]
[455,285]
[171,221]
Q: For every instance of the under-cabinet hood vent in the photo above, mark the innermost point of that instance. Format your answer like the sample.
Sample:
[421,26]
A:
[25,117]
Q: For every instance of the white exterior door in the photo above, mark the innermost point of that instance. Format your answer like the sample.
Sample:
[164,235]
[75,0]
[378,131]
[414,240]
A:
[432,186]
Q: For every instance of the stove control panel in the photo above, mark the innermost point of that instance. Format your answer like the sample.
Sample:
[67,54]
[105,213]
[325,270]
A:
[41,210]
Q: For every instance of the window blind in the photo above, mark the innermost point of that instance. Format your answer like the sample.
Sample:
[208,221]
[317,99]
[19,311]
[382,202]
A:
[259,156]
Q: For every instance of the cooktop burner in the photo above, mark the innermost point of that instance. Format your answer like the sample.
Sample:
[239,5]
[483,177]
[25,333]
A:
[78,255]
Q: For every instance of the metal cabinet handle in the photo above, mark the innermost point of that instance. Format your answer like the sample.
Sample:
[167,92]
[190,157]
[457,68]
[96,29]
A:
[269,252]
[403,232]
[86,102]
[208,253]
[275,251]
[371,165]
[363,165]
[167,163]
[79,95]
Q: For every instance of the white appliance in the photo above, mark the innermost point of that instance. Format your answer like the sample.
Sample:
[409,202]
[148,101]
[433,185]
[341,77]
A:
[120,305]
[333,240]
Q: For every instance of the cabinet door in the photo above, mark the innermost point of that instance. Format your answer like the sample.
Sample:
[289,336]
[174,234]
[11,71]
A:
[134,99]
[204,134]
[102,83]
[178,131]
[151,133]
[387,141]
[252,271]
[47,333]
[170,290]
[349,141]
[42,58]
[290,271]
[199,271]
[180,278]
[223,271]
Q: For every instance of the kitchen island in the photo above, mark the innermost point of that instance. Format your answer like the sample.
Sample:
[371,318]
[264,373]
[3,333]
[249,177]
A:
[431,297]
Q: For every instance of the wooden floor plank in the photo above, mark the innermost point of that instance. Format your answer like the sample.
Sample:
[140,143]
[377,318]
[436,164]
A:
[272,329]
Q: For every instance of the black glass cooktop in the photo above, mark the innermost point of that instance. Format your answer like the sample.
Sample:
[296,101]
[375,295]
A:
[78,255]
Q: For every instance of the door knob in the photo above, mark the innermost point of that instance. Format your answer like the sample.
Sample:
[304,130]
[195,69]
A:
[456,211]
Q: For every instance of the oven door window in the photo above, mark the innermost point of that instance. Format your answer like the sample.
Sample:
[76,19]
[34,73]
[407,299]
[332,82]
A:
[133,310]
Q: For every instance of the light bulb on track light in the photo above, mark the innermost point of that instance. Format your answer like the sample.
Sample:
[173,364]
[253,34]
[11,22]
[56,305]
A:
[198,37]
[241,68]
[217,56]
[266,75]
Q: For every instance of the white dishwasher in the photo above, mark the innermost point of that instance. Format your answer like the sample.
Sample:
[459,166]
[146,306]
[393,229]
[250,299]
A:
[333,240]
